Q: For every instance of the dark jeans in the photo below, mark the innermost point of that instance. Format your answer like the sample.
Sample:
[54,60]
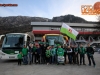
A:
[65,57]
[48,59]
[33,57]
[19,61]
[76,59]
[54,59]
[30,57]
[90,58]
[43,59]
[82,57]
[37,58]
[70,58]
[25,59]
[73,58]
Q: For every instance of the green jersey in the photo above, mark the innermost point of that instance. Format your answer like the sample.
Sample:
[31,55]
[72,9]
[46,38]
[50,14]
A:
[53,51]
[82,50]
[34,49]
[24,51]
[76,49]
[19,56]
[60,52]
[48,53]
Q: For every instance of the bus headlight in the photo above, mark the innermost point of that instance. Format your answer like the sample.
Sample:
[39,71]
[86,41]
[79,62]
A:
[2,54]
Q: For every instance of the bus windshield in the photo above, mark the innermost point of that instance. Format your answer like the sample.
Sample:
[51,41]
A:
[57,38]
[13,41]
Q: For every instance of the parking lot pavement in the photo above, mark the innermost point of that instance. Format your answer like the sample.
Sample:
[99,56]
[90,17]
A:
[11,68]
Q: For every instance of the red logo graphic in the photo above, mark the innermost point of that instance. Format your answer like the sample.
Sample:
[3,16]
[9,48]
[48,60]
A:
[70,30]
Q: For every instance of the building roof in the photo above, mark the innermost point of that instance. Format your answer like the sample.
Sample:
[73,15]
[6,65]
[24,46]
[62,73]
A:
[52,34]
[60,23]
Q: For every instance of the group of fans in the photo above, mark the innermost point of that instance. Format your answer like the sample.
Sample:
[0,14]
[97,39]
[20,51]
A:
[42,53]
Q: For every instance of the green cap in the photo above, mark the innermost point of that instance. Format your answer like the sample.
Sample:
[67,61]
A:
[58,45]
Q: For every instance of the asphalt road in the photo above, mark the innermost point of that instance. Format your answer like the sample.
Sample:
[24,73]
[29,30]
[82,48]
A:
[11,68]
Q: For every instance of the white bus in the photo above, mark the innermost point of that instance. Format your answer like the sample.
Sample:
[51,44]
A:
[13,43]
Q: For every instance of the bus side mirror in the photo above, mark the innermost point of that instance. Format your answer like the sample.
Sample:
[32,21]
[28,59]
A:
[43,39]
[1,37]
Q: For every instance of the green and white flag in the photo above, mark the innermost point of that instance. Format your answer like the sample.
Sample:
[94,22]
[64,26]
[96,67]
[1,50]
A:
[72,33]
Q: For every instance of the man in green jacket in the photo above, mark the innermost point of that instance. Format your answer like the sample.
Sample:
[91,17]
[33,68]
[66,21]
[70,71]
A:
[25,52]
[82,51]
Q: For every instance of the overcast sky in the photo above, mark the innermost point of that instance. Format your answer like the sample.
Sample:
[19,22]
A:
[46,8]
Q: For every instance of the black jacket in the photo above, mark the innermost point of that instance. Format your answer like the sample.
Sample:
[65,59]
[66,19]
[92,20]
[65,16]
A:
[90,50]
[30,49]
[38,50]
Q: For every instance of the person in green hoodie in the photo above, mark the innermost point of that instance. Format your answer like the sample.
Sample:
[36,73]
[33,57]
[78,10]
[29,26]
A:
[48,55]
[60,55]
[25,52]
[82,51]
[60,51]
[19,56]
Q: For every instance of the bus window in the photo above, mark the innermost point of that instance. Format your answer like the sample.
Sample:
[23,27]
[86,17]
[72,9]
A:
[98,44]
[28,40]
[14,40]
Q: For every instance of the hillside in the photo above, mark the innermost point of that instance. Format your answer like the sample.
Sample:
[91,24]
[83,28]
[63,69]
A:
[69,19]
[22,23]
[18,23]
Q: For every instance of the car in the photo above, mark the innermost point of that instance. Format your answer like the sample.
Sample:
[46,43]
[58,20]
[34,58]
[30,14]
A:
[99,51]
[95,45]
[83,42]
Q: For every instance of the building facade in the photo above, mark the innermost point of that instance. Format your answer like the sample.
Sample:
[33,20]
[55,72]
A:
[86,31]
